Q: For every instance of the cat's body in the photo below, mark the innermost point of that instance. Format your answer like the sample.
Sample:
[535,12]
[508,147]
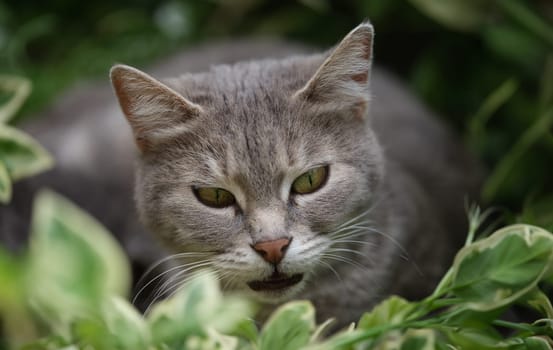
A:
[252,129]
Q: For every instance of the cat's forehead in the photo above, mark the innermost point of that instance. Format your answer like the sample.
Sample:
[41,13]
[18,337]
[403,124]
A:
[252,132]
[250,104]
[248,82]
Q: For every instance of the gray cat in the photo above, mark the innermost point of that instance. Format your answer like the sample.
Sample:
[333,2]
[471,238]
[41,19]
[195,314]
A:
[311,176]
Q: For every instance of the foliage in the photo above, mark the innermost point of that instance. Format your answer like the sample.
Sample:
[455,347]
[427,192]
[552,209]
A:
[20,155]
[81,305]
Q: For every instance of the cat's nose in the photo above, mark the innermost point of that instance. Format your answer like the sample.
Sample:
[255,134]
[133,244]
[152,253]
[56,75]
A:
[272,251]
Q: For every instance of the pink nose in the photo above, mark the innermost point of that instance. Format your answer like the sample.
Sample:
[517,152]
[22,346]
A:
[272,251]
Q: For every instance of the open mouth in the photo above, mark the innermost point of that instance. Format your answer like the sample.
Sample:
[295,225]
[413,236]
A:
[275,282]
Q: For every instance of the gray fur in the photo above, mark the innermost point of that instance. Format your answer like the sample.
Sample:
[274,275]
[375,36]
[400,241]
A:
[395,170]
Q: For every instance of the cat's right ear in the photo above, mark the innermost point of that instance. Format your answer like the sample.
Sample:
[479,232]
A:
[154,111]
[342,81]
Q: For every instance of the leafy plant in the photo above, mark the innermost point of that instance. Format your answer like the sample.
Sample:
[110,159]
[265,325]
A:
[68,292]
[20,155]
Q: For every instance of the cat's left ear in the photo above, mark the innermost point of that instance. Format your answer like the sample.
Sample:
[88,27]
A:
[342,81]
[154,111]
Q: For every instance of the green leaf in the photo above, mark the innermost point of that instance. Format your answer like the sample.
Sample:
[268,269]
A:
[172,320]
[198,306]
[500,269]
[17,325]
[412,339]
[20,89]
[418,339]
[22,156]
[91,333]
[545,326]
[391,311]
[74,260]
[540,302]
[468,318]
[119,326]
[247,329]
[124,322]
[213,341]
[463,15]
[289,327]
[537,343]
[473,338]
[52,342]
[5,184]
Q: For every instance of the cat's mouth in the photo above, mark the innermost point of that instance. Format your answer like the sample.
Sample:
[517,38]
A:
[275,282]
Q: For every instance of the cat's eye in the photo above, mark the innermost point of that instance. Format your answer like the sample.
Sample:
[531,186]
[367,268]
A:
[214,197]
[310,181]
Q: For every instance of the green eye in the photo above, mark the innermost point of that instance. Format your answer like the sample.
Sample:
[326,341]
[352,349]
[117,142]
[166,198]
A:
[214,197]
[310,181]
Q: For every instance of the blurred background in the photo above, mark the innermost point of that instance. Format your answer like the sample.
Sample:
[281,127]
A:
[485,66]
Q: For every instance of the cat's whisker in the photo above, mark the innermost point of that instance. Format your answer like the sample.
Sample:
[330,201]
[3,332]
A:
[166,259]
[229,281]
[354,241]
[387,236]
[346,250]
[328,266]
[177,287]
[159,276]
[186,271]
[351,234]
[349,227]
[357,217]
[344,260]
[353,225]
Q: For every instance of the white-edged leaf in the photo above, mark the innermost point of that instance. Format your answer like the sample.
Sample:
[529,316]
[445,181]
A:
[418,339]
[21,154]
[74,263]
[124,322]
[19,88]
[213,341]
[196,308]
[289,327]
[5,184]
[498,270]
[473,338]
[172,320]
[390,311]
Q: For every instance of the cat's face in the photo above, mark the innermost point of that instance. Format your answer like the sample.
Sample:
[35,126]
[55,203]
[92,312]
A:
[254,169]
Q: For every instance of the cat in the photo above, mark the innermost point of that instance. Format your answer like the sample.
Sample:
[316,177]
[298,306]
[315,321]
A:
[310,176]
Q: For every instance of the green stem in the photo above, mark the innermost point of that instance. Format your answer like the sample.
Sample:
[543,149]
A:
[435,322]
[491,104]
[532,135]
[518,326]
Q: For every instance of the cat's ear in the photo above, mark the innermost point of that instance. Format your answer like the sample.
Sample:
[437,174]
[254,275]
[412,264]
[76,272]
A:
[155,111]
[342,81]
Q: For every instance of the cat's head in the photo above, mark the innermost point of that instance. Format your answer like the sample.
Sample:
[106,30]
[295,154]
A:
[253,169]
